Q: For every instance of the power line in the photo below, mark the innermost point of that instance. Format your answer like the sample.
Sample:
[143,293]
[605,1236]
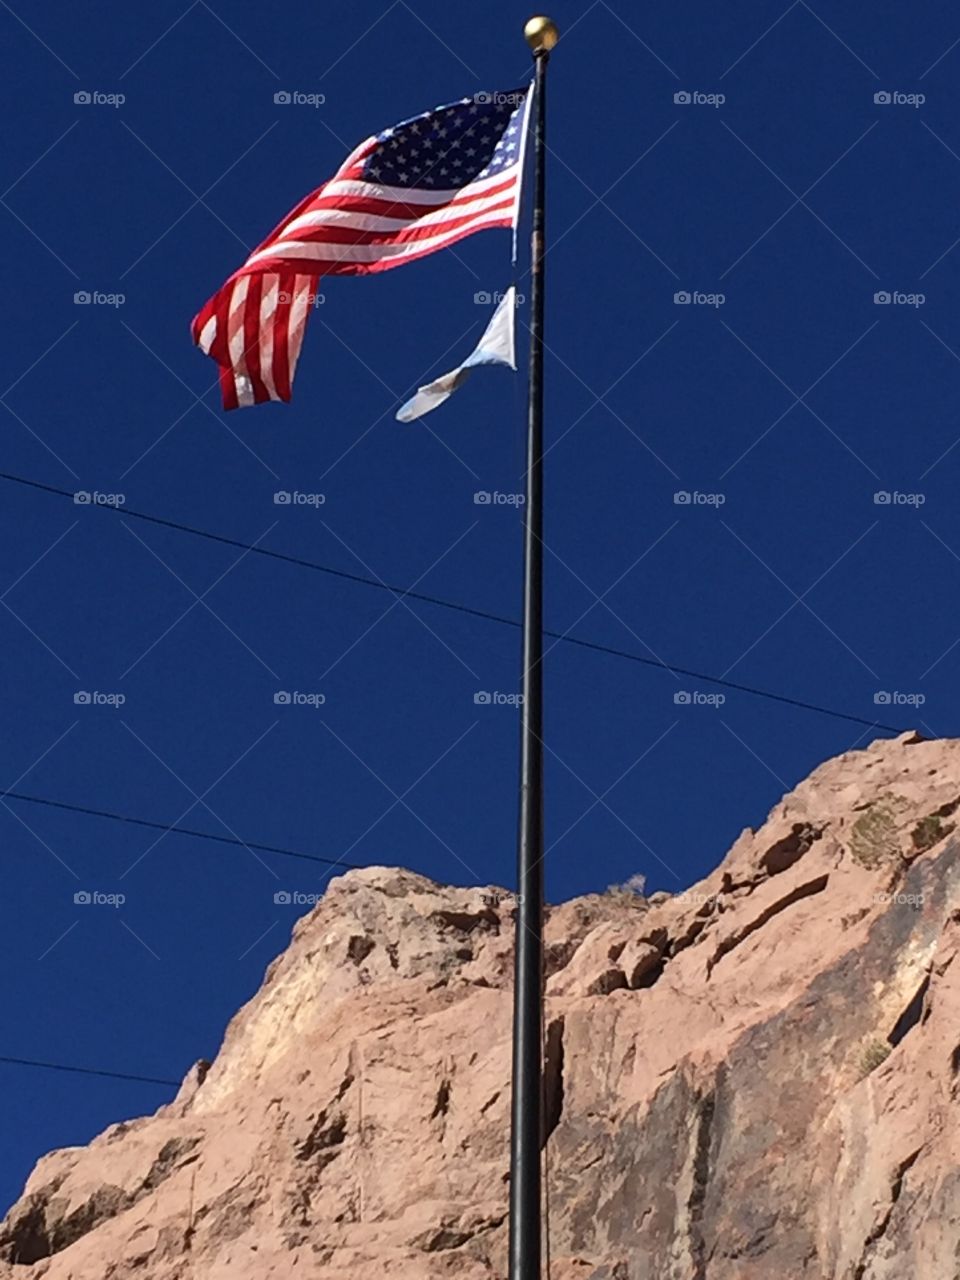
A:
[361,580]
[181,831]
[88,1071]
[157,826]
[457,607]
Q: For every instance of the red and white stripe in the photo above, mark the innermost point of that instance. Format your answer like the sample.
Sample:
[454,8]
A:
[254,326]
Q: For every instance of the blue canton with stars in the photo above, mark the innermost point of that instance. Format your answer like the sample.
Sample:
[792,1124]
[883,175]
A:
[446,148]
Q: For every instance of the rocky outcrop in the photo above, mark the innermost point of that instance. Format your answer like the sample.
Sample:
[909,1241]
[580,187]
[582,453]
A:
[755,1079]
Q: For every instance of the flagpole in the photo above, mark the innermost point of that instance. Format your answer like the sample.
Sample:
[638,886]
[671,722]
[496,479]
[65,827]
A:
[527,1100]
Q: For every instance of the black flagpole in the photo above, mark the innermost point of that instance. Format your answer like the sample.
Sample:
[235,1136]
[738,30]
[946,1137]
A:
[527,1109]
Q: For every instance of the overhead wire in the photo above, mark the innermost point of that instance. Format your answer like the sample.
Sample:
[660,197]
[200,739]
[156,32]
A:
[469,610]
[88,1071]
[175,830]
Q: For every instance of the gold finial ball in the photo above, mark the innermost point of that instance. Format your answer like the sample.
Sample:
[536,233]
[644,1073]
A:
[541,33]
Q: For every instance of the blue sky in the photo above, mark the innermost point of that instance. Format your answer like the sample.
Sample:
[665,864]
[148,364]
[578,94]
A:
[783,197]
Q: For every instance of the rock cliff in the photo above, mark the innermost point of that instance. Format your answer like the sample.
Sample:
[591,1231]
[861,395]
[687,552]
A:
[755,1079]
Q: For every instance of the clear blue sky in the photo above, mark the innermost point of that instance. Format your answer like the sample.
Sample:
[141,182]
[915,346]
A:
[798,398]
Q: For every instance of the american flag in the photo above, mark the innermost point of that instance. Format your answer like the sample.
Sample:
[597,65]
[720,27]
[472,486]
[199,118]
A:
[410,190]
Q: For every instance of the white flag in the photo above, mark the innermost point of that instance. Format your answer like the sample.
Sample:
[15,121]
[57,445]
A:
[495,347]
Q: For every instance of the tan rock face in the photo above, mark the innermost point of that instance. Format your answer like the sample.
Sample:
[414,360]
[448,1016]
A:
[756,1079]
